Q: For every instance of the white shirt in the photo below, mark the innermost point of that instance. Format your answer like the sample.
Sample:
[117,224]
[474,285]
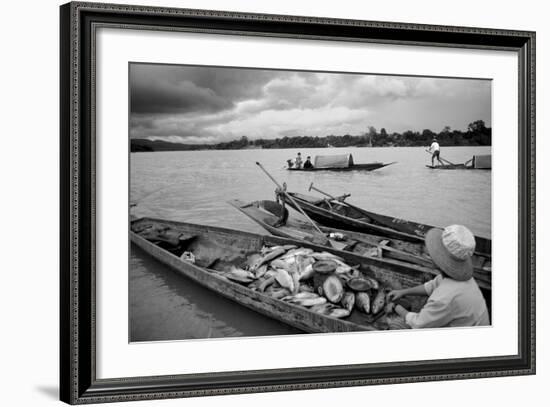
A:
[434,146]
[450,303]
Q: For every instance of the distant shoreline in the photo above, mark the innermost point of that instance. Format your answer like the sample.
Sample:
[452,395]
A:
[476,135]
[285,148]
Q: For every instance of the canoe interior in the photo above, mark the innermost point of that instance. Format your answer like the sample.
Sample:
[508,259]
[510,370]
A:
[268,214]
[217,249]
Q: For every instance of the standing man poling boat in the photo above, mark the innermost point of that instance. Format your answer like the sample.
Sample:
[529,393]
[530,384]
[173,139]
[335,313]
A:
[454,298]
[298,161]
[434,149]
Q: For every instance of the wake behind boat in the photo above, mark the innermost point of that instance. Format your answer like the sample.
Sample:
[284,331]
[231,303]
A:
[340,162]
[246,268]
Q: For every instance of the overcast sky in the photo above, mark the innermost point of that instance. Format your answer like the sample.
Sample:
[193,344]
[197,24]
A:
[193,104]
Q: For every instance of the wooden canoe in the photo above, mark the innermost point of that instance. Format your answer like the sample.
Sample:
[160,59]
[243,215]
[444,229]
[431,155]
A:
[342,215]
[455,167]
[215,248]
[450,167]
[268,213]
[477,162]
[353,167]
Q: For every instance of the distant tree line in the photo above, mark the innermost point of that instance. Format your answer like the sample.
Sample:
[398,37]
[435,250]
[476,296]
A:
[477,134]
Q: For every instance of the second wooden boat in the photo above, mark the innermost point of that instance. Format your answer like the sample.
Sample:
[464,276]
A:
[342,215]
[269,215]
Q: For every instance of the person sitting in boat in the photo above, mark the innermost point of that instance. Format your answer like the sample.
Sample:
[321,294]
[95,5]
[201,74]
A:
[434,149]
[289,163]
[308,164]
[454,298]
[298,161]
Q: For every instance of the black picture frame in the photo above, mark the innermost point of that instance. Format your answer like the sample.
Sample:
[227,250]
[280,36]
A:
[78,382]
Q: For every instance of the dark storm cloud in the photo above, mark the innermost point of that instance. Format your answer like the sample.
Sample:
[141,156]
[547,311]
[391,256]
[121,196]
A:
[188,89]
[207,104]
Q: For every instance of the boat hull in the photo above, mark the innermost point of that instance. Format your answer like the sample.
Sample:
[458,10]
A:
[370,222]
[392,275]
[354,167]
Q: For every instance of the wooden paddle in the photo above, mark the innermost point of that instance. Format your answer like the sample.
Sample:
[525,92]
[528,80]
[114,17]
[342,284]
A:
[290,198]
[442,159]
[339,198]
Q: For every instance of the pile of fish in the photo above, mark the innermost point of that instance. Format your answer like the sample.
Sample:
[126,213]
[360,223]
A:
[319,281]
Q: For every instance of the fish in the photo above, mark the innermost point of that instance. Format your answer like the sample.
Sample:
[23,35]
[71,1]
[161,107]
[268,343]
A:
[239,272]
[348,301]
[302,262]
[252,259]
[339,313]
[265,250]
[310,302]
[238,278]
[359,284]
[302,251]
[277,293]
[300,296]
[260,271]
[373,282]
[283,264]
[267,258]
[284,278]
[307,273]
[266,283]
[362,302]
[295,282]
[304,288]
[345,277]
[378,302]
[325,256]
[333,289]
[322,308]
[343,267]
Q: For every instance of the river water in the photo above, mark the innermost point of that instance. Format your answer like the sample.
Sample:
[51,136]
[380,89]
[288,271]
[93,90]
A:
[194,187]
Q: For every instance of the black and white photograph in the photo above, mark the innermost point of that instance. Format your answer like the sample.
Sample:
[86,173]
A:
[271,202]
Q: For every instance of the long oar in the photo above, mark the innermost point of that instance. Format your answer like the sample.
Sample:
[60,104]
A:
[442,159]
[339,198]
[290,198]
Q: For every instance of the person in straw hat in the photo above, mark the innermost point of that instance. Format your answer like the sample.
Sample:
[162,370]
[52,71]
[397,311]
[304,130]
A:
[454,298]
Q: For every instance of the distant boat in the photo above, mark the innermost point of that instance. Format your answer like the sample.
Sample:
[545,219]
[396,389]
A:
[339,162]
[478,162]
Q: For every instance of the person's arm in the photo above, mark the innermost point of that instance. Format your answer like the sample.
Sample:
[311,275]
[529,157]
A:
[434,314]
[394,295]
[422,289]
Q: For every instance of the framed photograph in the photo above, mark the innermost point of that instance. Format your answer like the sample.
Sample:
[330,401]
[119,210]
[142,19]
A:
[255,203]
